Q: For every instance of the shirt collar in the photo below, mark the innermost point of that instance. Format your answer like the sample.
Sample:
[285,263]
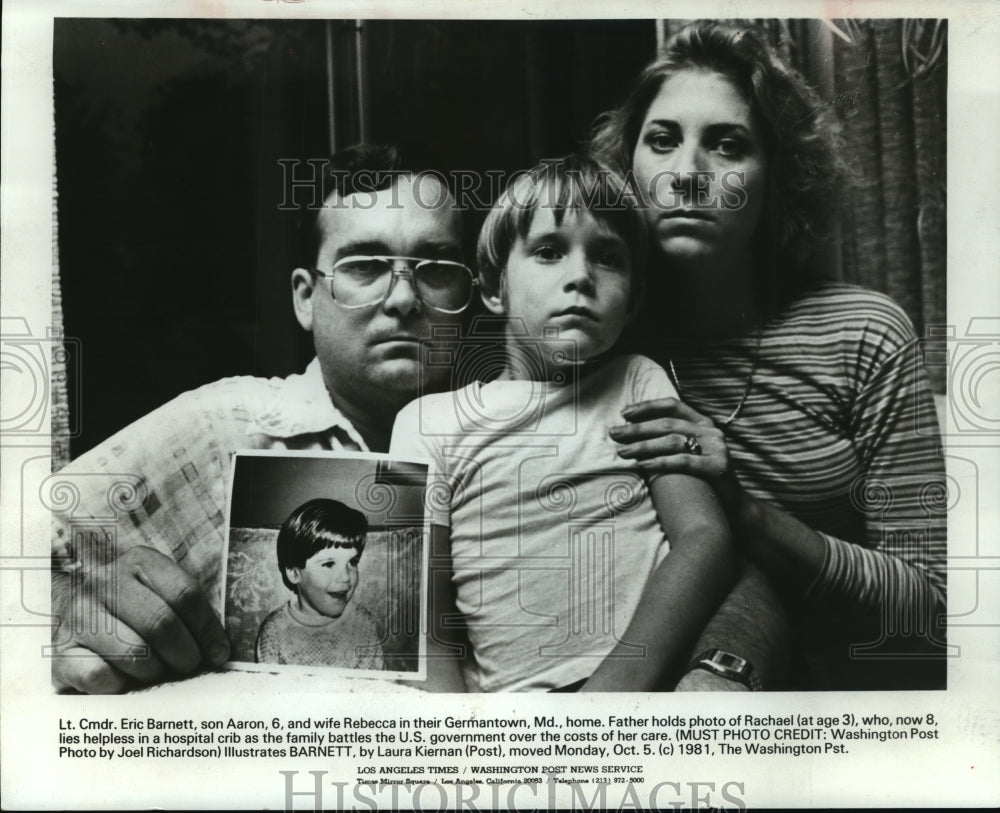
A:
[302,406]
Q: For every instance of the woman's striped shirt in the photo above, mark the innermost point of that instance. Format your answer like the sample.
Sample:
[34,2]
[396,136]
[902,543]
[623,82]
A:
[839,429]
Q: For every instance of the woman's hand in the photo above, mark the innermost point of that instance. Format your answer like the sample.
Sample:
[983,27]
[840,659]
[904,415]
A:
[655,436]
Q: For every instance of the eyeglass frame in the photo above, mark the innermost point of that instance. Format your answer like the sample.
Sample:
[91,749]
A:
[396,272]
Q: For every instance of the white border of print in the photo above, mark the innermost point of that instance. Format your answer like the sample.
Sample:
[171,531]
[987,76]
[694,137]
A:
[958,769]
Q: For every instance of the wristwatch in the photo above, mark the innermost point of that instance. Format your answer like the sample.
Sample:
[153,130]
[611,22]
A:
[729,666]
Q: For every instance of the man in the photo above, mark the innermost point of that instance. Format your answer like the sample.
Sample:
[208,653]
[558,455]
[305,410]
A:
[147,579]
[133,597]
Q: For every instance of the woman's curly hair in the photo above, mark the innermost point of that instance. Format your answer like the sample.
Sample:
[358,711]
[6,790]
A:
[805,168]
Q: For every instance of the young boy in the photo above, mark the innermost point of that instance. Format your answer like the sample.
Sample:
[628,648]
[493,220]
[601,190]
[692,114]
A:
[564,581]
[319,549]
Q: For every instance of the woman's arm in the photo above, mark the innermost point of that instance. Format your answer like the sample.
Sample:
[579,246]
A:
[882,603]
[751,624]
[879,597]
[681,594]
[266,648]
[899,570]
[655,437]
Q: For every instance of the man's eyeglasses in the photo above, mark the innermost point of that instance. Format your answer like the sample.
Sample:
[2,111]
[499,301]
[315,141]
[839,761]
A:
[362,281]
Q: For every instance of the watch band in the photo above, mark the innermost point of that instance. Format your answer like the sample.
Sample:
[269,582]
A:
[729,666]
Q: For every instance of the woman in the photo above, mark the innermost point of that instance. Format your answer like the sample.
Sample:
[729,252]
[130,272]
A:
[802,401]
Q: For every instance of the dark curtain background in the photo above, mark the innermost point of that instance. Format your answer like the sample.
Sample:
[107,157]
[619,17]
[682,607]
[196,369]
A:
[170,240]
[891,82]
[173,257]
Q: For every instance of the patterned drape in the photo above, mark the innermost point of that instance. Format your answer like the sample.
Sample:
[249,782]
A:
[890,79]
[888,82]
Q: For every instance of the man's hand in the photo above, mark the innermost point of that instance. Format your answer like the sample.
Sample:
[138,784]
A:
[138,619]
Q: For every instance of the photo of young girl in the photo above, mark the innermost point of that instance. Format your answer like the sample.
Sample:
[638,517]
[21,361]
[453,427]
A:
[325,568]
[319,550]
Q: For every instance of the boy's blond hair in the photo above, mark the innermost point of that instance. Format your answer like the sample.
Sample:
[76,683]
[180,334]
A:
[576,182]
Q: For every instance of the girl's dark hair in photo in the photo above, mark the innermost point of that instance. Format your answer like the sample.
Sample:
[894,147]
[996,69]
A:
[314,526]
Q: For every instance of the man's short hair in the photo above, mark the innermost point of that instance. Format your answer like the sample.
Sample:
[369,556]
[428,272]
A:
[365,168]
[314,526]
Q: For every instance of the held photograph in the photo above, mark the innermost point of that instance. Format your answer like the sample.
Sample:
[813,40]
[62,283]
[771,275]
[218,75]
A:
[326,565]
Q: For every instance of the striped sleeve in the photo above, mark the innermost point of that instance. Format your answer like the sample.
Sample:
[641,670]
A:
[900,566]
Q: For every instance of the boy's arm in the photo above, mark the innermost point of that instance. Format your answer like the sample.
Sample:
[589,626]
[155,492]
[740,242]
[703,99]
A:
[681,594]
[446,643]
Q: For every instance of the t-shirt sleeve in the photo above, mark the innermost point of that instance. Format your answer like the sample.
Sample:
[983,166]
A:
[407,440]
[414,437]
[648,381]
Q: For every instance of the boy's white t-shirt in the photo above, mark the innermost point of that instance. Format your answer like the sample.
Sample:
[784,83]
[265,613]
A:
[553,536]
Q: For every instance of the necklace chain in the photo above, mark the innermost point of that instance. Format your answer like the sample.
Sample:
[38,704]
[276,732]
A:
[746,389]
